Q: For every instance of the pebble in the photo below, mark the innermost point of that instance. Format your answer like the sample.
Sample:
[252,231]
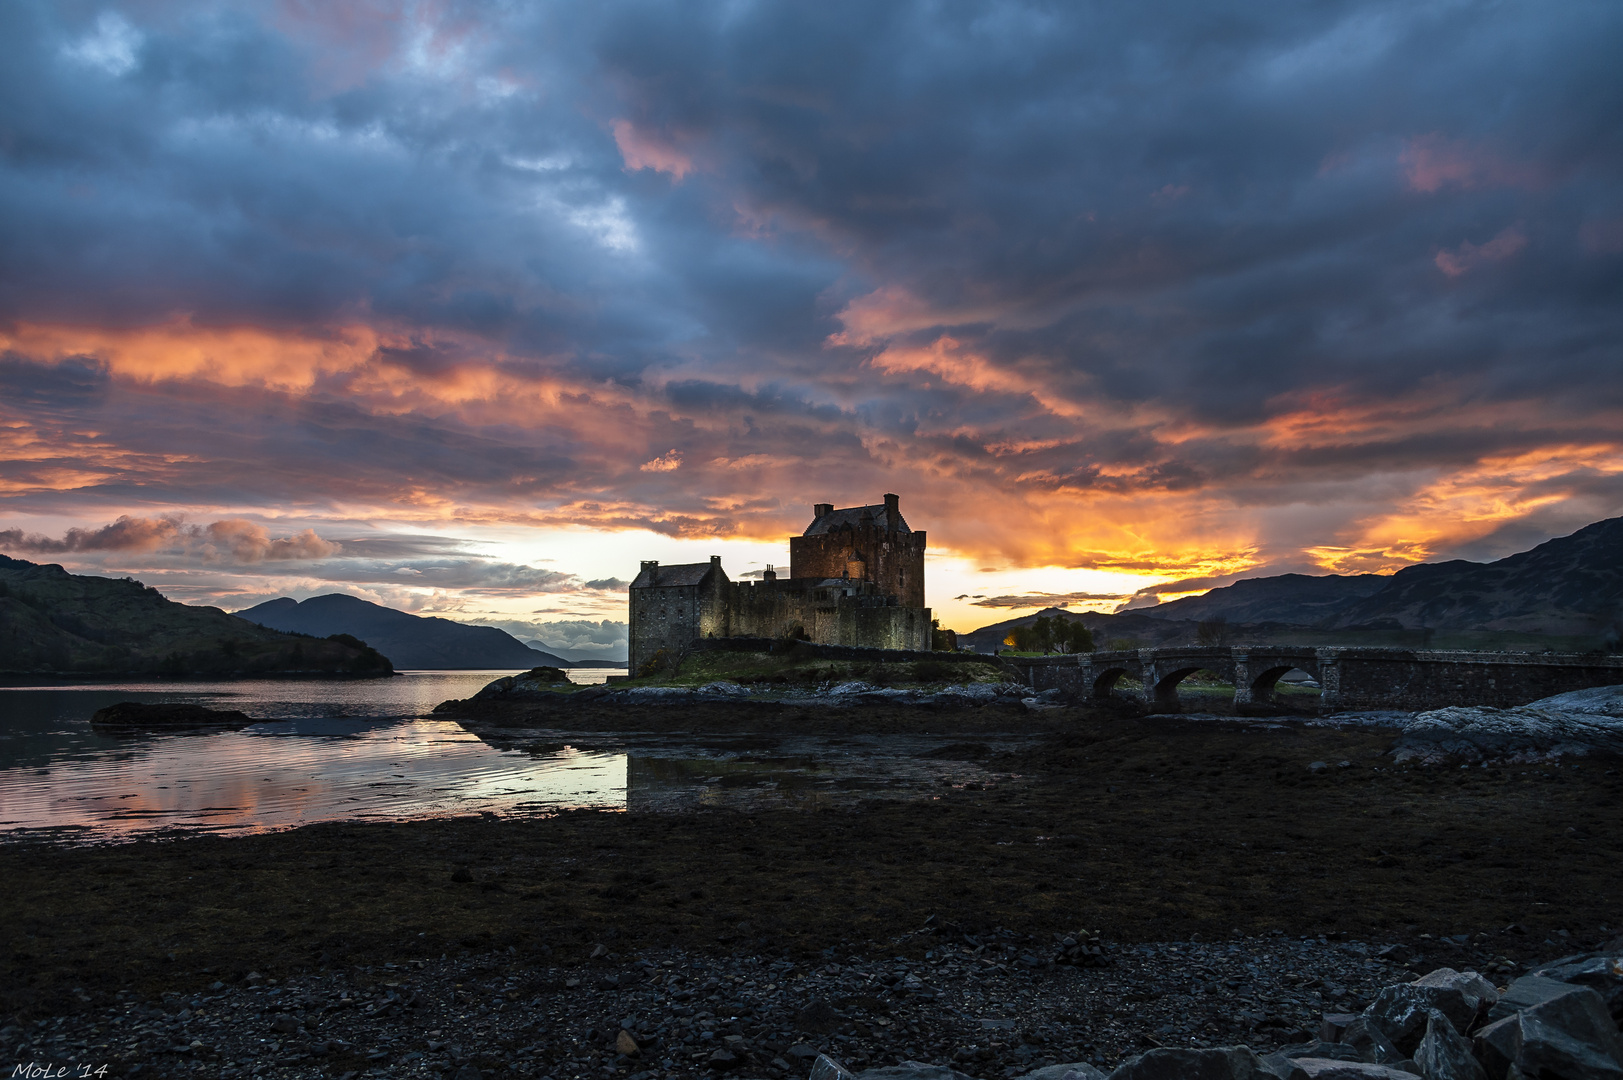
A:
[992,1006]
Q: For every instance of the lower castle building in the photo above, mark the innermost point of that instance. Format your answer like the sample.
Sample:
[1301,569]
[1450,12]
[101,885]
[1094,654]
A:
[856,577]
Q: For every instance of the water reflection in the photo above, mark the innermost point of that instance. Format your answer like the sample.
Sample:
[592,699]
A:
[755,771]
[273,776]
[370,751]
[322,751]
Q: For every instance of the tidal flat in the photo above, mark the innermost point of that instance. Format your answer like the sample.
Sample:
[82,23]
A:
[1138,830]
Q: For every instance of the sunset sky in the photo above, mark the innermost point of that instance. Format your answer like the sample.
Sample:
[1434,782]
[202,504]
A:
[468,308]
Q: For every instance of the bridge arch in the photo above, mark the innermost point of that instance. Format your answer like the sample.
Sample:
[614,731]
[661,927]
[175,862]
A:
[1164,696]
[1106,678]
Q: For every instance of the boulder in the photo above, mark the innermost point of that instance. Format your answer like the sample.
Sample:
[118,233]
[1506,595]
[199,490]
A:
[1318,1048]
[1174,1063]
[1444,1054]
[1076,1070]
[1571,1036]
[1371,1042]
[1525,992]
[912,1070]
[1332,1069]
[1602,972]
[1402,1010]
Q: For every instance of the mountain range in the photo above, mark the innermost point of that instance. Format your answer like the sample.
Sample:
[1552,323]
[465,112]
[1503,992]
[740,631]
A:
[1570,588]
[53,622]
[413,642]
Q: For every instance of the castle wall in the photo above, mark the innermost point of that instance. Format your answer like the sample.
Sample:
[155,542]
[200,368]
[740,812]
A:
[662,617]
[671,617]
[830,613]
[893,562]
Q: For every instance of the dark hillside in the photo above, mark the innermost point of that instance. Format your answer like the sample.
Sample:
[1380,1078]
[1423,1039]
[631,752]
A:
[1297,599]
[1569,585]
[54,622]
[411,641]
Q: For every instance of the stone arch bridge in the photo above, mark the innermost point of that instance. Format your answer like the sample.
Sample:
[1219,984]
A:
[1349,678]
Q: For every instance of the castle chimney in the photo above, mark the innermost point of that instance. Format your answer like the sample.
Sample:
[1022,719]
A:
[819,509]
[650,564]
[893,512]
[715,560]
[769,574]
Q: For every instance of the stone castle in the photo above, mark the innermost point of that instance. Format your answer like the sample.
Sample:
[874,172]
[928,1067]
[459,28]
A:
[856,577]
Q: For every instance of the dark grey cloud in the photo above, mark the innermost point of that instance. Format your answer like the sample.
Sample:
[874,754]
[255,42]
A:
[1137,238]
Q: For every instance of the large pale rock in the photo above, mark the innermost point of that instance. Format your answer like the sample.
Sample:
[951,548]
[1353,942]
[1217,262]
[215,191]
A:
[1574,723]
[1444,1054]
[1173,1063]
[1571,1037]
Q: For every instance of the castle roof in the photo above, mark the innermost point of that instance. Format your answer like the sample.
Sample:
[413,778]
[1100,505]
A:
[654,575]
[852,517]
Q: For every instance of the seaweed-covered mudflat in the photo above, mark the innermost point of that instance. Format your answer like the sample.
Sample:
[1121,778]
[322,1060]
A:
[1136,830]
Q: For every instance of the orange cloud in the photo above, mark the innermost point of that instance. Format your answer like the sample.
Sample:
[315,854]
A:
[1466,504]
[644,150]
[669,461]
[227,356]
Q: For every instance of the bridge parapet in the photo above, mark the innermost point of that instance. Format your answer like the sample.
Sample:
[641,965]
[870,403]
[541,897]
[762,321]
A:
[1349,678]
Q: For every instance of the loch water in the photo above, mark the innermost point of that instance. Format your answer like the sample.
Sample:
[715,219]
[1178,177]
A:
[371,750]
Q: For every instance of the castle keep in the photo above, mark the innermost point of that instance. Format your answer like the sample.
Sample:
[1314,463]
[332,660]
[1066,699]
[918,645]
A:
[856,577]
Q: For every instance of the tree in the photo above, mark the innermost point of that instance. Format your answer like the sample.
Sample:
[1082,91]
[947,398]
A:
[1077,639]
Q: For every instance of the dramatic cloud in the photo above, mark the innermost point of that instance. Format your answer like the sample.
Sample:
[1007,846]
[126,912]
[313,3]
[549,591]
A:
[231,540]
[1158,291]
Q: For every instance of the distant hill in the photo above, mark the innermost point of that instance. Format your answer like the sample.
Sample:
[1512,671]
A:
[575,659]
[1140,630]
[411,641]
[1568,590]
[1570,585]
[1299,599]
[54,622]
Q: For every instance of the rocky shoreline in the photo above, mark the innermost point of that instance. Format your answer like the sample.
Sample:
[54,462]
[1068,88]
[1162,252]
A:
[990,1005]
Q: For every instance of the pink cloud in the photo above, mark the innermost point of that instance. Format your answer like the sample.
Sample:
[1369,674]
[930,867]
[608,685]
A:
[1468,256]
[1603,236]
[642,150]
[1433,162]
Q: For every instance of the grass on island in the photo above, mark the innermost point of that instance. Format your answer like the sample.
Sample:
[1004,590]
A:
[794,668]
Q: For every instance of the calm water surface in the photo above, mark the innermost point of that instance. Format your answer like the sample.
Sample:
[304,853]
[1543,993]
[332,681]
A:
[369,749]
